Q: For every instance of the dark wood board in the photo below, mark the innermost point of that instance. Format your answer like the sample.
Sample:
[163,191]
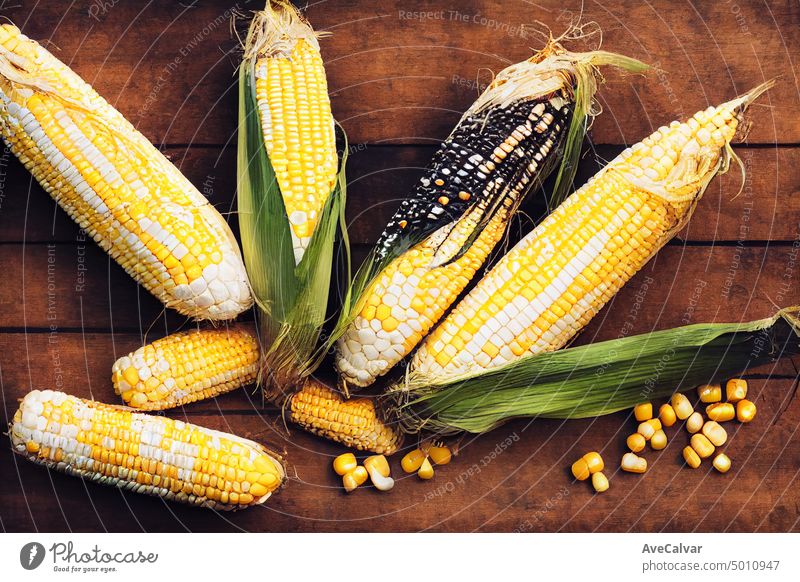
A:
[399,82]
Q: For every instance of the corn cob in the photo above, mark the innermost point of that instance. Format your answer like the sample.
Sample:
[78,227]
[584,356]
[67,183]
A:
[186,367]
[355,422]
[506,142]
[146,454]
[295,111]
[120,189]
[554,281]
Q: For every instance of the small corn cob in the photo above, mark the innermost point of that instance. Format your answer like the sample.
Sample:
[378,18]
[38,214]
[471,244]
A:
[355,423]
[296,119]
[186,367]
[146,454]
[553,282]
[119,188]
[509,139]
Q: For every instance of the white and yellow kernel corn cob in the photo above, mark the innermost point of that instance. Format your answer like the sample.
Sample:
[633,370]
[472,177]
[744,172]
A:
[554,281]
[119,188]
[148,454]
[296,118]
[186,367]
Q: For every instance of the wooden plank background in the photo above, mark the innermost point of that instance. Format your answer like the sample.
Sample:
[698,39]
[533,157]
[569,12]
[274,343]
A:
[400,75]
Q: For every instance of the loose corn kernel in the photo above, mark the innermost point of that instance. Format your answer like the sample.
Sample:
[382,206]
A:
[440,455]
[722,463]
[701,445]
[345,463]
[354,479]
[648,427]
[633,463]
[715,433]
[412,461]
[643,411]
[378,468]
[694,423]
[745,411]
[721,411]
[736,390]
[683,408]
[666,414]
[636,442]
[594,461]
[426,470]
[691,457]
[599,482]
[709,393]
[659,440]
[580,470]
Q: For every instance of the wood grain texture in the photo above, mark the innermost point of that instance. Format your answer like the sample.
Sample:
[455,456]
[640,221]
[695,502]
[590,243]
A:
[513,479]
[175,80]
[399,82]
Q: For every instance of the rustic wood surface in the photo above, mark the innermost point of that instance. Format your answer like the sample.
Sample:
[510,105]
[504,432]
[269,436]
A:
[399,81]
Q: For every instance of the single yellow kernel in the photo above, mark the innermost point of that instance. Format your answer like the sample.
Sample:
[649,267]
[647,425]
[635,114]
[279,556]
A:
[715,433]
[354,479]
[721,411]
[636,442]
[440,455]
[580,470]
[691,457]
[683,408]
[702,445]
[694,423]
[379,463]
[443,200]
[426,470]
[599,482]
[659,440]
[643,411]
[594,461]
[745,410]
[412,461]
[344,463]
[666,414]
[403,223]
[722,463]
[709,393]
[633,463]
[736,390]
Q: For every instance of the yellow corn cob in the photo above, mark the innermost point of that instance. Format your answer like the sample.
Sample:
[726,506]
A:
[146,454]
[186,367]
[355,423]
[553,282]
[119,188]
[296,119]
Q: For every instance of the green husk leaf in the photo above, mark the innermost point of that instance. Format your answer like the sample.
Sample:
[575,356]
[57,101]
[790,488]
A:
[585,109]
[595,379]
[292,300]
